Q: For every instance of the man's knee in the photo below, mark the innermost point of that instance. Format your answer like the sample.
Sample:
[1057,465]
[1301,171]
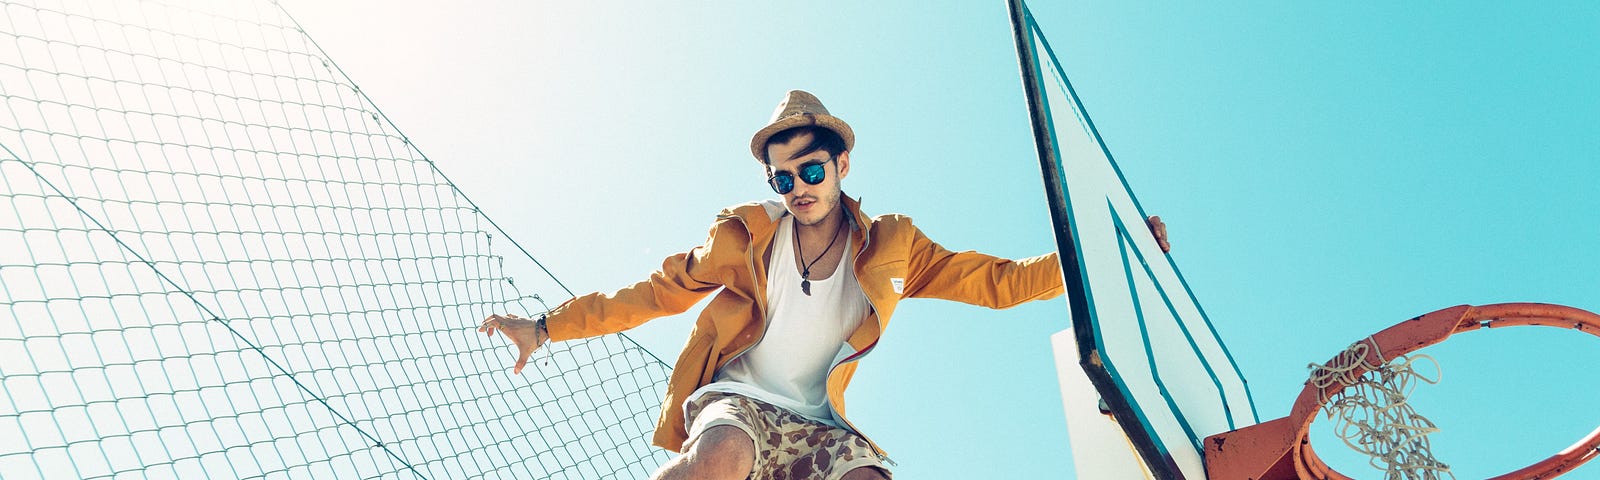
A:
[723,451]
[865,473]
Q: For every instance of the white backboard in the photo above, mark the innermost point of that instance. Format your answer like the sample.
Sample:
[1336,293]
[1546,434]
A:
[1143,340]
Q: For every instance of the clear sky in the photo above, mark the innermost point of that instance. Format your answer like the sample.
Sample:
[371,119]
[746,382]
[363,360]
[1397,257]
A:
[1326,170]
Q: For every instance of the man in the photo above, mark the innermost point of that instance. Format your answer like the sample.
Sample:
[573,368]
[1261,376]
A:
[807,286]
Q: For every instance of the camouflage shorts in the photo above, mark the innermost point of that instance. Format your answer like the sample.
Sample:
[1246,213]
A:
[788,446]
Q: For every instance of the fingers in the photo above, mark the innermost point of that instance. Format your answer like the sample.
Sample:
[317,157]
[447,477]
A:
[496,322]
[1159,230]
[522,360]
[489,325]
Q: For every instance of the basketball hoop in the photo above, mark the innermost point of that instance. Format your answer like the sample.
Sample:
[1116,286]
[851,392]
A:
[1280,449]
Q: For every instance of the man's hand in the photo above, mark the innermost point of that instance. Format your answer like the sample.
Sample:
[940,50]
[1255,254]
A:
[527,334]
[1160,231]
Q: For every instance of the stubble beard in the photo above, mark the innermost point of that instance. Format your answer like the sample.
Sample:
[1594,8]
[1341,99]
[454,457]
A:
[823,208]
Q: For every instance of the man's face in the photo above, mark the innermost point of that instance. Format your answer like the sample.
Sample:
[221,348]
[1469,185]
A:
[810,204]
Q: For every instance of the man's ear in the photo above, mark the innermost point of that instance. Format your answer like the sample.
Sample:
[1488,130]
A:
[844,164]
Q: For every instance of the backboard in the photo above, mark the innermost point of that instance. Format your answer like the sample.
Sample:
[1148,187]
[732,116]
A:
[1142,338]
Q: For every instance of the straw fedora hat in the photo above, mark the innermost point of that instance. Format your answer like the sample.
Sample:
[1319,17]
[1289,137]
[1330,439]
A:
[799,108]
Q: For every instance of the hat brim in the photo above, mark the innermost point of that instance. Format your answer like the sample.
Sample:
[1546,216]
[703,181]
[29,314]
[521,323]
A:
[758,143]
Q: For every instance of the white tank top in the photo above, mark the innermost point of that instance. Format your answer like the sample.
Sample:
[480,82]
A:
[805,333]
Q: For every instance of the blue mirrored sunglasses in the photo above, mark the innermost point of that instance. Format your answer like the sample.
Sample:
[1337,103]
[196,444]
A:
[811,173]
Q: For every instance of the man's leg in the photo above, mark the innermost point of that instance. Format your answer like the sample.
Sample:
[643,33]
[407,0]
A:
[865,473]
[723,452]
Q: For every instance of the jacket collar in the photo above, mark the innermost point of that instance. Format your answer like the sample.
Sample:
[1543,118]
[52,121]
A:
[761,218]
[859,222]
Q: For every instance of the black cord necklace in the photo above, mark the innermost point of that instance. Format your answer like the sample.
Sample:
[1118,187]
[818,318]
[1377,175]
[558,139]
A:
[805,270]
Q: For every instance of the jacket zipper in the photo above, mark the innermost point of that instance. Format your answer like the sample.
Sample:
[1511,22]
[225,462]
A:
[865,241]
[761,294]
[851,426]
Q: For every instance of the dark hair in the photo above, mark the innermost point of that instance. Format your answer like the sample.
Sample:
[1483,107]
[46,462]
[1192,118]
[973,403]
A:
[822,138]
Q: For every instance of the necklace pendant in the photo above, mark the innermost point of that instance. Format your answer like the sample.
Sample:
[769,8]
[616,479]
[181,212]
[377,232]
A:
[805,287]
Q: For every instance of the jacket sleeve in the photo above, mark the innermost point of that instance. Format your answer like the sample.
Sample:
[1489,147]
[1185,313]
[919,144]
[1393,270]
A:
[979,279]
[683,280]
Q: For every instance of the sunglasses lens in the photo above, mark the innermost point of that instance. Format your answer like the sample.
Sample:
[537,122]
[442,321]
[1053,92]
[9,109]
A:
[782,182]
[813,174]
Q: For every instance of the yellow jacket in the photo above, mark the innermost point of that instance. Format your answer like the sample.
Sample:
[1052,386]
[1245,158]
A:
[894,260]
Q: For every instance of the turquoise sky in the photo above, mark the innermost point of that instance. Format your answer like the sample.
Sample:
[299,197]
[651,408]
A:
[1326,170]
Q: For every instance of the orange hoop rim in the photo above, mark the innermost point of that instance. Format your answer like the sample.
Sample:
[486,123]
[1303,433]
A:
[1417,333]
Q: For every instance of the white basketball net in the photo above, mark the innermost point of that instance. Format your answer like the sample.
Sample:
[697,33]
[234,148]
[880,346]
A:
[1372,416]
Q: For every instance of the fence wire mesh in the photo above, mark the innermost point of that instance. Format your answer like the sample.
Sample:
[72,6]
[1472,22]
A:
[218,259]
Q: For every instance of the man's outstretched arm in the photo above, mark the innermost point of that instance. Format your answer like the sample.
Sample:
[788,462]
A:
[683,280]
[986,280]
